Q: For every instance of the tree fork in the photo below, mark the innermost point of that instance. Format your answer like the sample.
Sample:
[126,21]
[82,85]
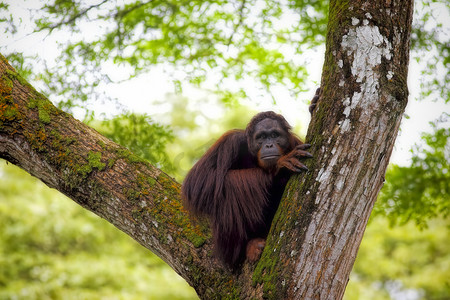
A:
[321,220]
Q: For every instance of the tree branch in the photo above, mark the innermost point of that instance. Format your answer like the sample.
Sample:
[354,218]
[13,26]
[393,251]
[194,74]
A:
[74,17]
[106,179]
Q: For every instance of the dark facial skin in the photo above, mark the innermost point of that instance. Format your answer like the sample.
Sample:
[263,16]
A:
[271,140]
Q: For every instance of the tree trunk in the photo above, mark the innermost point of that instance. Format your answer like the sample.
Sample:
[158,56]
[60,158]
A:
[321,220]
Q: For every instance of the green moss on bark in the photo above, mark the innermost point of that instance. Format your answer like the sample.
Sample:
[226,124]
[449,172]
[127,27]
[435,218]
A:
[93,162]
[9,110]
[44,106]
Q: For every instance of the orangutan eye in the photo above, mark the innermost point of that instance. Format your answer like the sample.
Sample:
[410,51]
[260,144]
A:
[261,136]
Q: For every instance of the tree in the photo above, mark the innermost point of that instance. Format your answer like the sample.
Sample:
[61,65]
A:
[316,232]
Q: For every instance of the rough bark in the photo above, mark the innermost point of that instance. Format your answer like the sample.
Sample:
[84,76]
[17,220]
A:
[319,226]
[318,230]
[106,179]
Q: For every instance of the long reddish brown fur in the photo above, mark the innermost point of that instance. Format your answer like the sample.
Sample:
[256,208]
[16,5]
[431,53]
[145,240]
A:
[239,197]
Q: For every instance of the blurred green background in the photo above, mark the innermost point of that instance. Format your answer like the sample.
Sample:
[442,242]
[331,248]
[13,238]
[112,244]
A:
[51,248]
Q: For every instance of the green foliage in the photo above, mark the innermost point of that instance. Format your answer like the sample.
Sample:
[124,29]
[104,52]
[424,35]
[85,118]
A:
[215,44]
[430,33]
[141,135]
[51,248]
[421,191]
[394,263]
[195,42]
